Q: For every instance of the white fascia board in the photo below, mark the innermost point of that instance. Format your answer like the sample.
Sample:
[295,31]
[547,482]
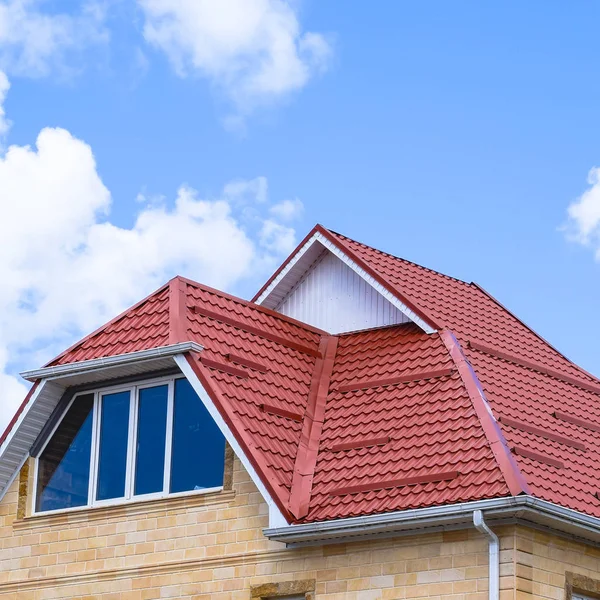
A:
[526,510]
[276,519]
[15,429]
[95,364]
[21,418]
[291,264]
[321,239]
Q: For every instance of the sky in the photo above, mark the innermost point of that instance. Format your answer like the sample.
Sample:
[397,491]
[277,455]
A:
[140,139]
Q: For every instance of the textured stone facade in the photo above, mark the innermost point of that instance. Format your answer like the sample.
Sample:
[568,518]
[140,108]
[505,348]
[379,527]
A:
[211,546]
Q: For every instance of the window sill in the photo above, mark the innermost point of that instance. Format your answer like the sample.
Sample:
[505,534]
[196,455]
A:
[147,507]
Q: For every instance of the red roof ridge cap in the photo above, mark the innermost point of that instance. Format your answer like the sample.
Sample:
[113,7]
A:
[544,340]
[253,305]
[178,320]
[312,427]
[504,458]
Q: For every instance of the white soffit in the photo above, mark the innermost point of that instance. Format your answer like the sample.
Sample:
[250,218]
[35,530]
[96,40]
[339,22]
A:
[276,519]
[24,432]
[278,290]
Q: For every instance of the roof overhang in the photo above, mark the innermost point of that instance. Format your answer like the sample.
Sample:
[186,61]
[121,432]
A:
[120,365]
[524,510]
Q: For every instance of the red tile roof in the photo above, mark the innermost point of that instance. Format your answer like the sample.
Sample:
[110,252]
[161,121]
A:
[384,419]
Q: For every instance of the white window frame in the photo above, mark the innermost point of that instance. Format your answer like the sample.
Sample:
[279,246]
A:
[129,498]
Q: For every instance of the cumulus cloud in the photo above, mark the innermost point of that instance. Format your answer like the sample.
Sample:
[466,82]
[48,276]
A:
[253,50]
[66,268]
[34,41]
[583,224]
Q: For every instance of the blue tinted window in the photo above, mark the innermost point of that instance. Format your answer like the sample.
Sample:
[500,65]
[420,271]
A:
[64,465]
[112,457]
[151,436]
[198,450]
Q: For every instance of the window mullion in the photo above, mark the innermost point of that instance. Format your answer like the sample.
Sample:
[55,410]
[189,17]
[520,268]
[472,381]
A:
[92,489]
[132,441]
[169,437]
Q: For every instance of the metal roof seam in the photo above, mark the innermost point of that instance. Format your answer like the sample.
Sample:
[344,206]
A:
[513,477]
[312,427]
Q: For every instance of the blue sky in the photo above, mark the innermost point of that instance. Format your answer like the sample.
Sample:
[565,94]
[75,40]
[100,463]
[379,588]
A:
[454,135]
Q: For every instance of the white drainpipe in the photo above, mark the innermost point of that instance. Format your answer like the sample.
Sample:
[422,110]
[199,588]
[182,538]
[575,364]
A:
[494,551]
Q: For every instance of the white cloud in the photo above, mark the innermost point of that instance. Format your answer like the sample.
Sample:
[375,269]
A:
[277,238]
[66,268]
[584,214]
[33,42]
[4,122]
[253,50]
[288,210]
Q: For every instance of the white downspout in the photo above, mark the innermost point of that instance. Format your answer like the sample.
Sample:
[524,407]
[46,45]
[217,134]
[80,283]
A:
[494,551]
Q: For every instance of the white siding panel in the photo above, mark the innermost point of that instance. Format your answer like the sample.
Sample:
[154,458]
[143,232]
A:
[333,297]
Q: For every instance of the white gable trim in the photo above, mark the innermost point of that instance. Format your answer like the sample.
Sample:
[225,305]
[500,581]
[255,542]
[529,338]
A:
[332,297]
[323,241]
[276,519]
[15,448]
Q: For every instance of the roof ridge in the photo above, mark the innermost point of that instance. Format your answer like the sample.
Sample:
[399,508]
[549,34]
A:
[178,318]
[253,305]
[312,428]
[406,260]
[506,462]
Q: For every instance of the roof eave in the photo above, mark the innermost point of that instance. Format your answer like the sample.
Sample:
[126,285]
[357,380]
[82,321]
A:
[525,510]
[118,360]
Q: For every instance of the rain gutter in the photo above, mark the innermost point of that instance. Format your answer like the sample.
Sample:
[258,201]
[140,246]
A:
[85,366]
[524,509]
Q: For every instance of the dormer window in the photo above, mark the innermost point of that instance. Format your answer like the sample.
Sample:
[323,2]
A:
[138,442]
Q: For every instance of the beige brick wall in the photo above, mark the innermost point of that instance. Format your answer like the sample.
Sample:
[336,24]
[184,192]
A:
[542,561]
[211,546]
